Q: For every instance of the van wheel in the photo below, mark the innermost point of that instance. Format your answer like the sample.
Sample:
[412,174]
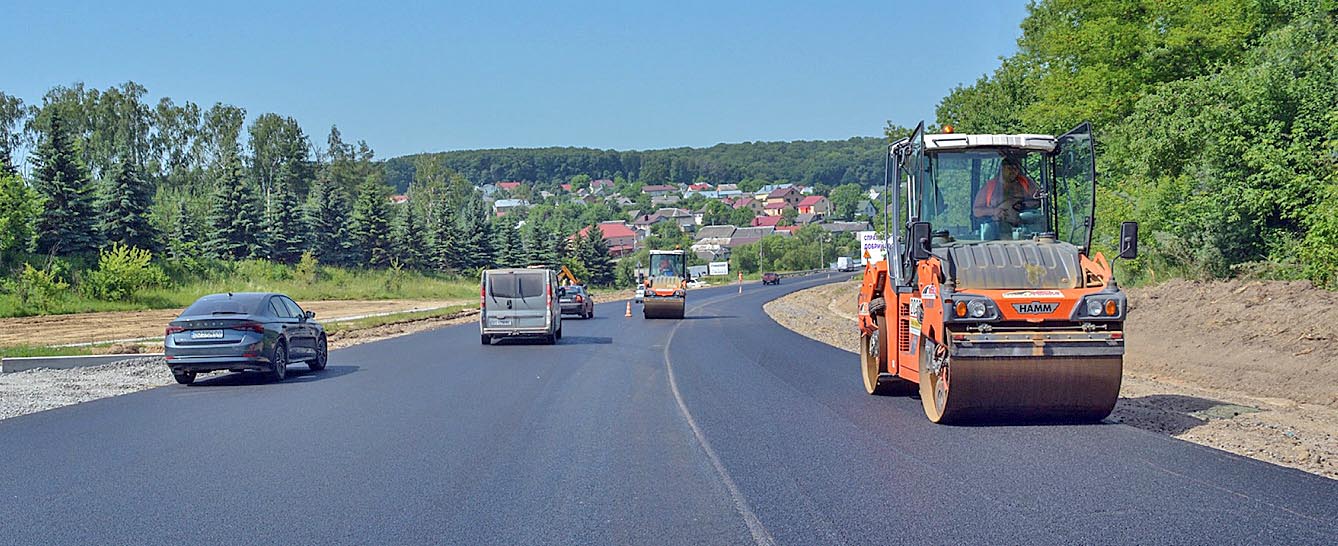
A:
[486,339]
[184,378]
[557,335]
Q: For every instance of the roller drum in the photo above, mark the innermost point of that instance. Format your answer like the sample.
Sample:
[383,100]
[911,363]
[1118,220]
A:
[1039,389]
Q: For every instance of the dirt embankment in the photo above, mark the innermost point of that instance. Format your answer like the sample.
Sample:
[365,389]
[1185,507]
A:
[1246,367]
[100,327]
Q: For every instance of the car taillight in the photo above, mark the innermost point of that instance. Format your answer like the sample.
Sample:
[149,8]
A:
[173,329]
[250,327]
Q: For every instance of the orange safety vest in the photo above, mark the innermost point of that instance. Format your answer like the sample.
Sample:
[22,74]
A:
[993,183]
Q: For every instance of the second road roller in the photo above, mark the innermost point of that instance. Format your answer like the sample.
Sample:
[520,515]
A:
[985,291]
[666,285]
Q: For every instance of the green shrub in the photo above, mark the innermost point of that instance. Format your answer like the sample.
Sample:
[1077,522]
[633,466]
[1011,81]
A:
[308,269]
[261,270]
[122,271]
[38,289]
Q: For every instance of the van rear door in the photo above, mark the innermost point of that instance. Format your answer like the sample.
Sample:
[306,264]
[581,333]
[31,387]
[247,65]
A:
[517,299]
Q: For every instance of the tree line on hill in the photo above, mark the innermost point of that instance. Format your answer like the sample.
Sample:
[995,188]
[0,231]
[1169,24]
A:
[853,161]
[110,175]
[1217,124]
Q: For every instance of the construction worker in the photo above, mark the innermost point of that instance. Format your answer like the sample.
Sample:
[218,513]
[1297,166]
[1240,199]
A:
[1002,197]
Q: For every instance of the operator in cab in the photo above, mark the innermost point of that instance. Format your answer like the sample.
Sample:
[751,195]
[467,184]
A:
[666,268]
[1001,199]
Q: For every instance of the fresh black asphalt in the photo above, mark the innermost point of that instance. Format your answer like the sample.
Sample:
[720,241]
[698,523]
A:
[759,435]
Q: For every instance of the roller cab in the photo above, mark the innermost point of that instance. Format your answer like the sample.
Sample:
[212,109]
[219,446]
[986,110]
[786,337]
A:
[989,303]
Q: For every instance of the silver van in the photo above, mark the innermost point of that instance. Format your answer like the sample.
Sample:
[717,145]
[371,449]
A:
[519,303]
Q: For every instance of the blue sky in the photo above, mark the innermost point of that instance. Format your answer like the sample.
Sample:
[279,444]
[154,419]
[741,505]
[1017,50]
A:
[427,76]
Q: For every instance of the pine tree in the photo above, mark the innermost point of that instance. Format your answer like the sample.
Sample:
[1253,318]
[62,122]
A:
[283,235]
[327,220]
[473,246]
[370,226]
[182,241]
[232,216]
[441,236]
[510,252]
[540,248]
[68,223]
[595,256]
[409,238]
[125,212]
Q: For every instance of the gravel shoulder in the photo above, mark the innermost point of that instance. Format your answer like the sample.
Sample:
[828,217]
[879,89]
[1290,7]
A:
[1250,372]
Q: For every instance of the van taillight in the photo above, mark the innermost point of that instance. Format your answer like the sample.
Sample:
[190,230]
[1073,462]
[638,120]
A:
[250,327]
[549,290]
[483,296]
[173,329]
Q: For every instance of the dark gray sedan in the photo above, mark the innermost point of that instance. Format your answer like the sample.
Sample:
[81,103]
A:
[243,331]
[576,300]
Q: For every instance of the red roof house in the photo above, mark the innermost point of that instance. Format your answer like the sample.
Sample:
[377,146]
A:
[509,186]
[620,238]
[815,204]
[766,221]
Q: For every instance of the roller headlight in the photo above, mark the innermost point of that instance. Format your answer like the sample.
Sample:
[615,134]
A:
[976,308]
[1103,306]
[1095,307]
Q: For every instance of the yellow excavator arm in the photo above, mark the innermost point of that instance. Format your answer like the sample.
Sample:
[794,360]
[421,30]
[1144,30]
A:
[566,274]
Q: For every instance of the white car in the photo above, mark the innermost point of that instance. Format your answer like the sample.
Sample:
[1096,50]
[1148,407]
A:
[640,294]
[694,283]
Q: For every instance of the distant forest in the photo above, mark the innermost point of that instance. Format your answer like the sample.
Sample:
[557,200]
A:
[833,162]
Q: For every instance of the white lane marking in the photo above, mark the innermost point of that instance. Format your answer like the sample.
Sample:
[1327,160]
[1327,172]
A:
[760,534]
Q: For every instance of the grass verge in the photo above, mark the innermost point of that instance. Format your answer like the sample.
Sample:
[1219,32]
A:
[397,318]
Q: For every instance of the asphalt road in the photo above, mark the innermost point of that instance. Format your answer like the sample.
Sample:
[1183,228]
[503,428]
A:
[723,428]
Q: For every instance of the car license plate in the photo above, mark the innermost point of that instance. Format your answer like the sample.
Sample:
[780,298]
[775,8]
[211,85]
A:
[206,334]
[501,322]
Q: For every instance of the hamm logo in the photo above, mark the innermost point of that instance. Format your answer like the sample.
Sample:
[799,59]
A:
[1035,308]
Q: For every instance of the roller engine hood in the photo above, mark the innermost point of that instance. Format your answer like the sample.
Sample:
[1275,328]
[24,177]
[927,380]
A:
[1001,265]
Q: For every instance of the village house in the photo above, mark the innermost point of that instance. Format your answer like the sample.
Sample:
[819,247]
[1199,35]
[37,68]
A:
[620,238]
[775,209]
[817,205]
[503,206]
[658,190]
[789,195]
[749,203]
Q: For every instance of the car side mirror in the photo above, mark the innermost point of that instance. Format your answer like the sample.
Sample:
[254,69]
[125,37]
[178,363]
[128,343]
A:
[919,237]
[309,314]
[1128,240]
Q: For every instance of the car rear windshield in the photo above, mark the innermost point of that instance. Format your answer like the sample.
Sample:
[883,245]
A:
[516,285]
[222,305]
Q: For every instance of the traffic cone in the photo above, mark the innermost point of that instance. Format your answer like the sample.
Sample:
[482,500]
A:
[629,309]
